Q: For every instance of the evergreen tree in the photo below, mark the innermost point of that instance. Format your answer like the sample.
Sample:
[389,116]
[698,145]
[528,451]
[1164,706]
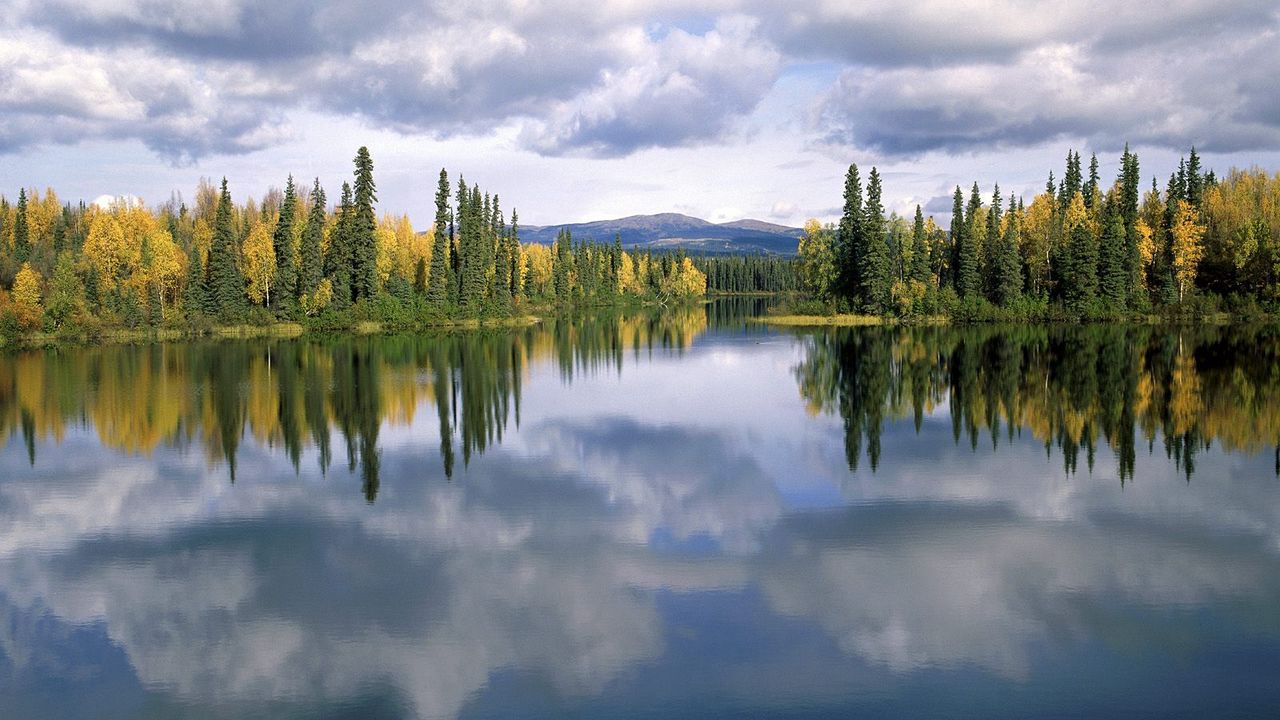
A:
[561,267]
[968,274]
[849,238]
[1008,284]
[874,272]
[517,286]
[991,255]
[1091,187]
[1113,271]
[441,277]
[21,231]
[1072,182]
[364,224]
[282,245]
[226,286]
[1082,270]
[1130,178]
[966,256]
[340,260]
[1194,181]
[310,261]
[920,271]
[195,294]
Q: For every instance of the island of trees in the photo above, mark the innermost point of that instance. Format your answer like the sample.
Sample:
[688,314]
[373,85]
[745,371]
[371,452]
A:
[293,256]
[1079,250]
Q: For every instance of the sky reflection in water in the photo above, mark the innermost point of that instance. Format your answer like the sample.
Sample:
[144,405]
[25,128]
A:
[645,517]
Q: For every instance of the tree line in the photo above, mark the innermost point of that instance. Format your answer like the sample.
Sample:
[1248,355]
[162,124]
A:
[749,273]
[295,256]
[1081,248]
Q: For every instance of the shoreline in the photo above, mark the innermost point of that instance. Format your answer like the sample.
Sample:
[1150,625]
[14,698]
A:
[286,330]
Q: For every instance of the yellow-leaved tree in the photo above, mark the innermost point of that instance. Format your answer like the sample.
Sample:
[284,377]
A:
[1188,246]
[817,258]
[537,269]
[259,263]
[107,252]
[685,281]
[26,297]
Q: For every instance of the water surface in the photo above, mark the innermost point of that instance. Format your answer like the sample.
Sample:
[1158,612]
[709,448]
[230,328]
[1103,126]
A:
[675,516]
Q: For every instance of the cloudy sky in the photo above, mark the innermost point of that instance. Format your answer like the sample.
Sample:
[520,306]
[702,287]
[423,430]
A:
[576,111]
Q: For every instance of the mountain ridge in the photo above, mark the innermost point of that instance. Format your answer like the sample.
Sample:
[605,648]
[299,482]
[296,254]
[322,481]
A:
[670,231]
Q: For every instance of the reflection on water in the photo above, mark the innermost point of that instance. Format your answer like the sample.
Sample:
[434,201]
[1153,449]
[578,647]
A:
[1069,387]
[641,516]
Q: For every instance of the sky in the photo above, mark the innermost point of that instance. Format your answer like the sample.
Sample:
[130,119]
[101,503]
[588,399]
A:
[579,111]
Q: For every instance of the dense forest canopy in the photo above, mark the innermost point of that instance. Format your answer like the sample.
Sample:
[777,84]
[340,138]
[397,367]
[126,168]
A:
[1081,248]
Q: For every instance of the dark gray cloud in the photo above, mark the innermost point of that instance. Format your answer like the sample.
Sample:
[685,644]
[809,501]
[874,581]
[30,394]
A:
[1171,90]
[607,79]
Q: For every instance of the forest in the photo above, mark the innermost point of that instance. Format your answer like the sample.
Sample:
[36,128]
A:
[1081,249]
[293,256]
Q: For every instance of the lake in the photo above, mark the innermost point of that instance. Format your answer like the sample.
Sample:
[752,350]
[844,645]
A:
[676,515]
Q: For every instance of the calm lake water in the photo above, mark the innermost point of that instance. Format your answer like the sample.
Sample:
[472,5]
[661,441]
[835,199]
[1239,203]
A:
[683,516]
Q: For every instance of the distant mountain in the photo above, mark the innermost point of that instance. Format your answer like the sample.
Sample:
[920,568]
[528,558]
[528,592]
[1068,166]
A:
[669,231]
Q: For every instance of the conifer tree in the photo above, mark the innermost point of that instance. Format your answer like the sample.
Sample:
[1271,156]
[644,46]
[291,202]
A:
[1113,273]
[849,238]
[226,286]
[1008,285]
[364,223]
[282,245]
[874,271]
[1091,187]
[966,256]
[339,261]
[991,255]
[195,294]
[1082,270]
[969,275]
[310,260]
[1193,184]
[21,231]
[441,277]
[517,287]
[920,271]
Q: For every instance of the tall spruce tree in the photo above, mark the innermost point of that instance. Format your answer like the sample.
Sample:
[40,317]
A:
[1113,272]
[1091,187]
[1008,284]
[282,245]
[225,285]
[875,269]
[1130,178]
[441,278]
[1082,269]
[920,270]
[364,225]
[21,230]
[339,262]
[849,238]
[966,256]
[517,284]
[1194,182]
[969,282]
[991,256]
[310,260]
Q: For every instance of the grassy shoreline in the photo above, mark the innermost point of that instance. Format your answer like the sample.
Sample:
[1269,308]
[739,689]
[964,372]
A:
[276,330]
[854,320]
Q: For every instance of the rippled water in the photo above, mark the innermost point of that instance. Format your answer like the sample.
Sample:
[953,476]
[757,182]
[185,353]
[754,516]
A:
[646,517]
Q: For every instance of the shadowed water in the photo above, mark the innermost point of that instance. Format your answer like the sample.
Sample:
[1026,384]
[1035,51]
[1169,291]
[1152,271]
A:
[676,515]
